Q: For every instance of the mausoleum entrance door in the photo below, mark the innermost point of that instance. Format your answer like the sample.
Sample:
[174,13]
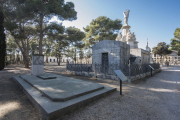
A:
[105,62]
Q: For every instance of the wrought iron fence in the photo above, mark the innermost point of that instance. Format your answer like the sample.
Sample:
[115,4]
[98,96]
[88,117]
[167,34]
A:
[109,69]
[140,69]
[79,67]
[134,69]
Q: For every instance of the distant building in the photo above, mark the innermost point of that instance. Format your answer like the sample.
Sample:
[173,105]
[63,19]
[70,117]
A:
[53,59]
[171,58]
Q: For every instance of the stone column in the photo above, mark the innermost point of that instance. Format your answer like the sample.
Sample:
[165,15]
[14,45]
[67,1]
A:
[37,64]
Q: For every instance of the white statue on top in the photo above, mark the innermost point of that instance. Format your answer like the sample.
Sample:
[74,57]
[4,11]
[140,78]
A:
[126,16]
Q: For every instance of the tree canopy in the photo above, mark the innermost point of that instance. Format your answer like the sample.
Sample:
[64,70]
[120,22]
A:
[26,19]
[101,28]
[162,49]
[175,42]
[75,36]
[44,10]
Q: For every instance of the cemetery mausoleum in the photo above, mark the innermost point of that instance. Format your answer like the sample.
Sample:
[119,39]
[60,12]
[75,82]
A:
[122,54]
[121,50]
[110,51]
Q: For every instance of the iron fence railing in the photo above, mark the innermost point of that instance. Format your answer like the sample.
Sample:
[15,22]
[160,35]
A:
[109,69]
[140,69]
[128,70]
[79,67]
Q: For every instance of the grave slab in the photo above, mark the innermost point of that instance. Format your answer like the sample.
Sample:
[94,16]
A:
[54,109]
[61,88]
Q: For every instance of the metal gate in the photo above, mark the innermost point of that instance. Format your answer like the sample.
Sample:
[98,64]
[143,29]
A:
[105,62]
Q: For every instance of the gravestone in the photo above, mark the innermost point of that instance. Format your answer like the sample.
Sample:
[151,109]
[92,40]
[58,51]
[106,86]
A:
[37,64]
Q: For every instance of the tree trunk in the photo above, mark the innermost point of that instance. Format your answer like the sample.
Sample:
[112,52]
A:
[59,61]
[10,58]
[24,52]
[46,59]
[26,61]
[41,34]
[27,53]
[75,55]
[2,42]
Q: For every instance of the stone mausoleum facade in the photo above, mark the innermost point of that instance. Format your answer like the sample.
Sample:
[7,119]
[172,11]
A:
[110,51]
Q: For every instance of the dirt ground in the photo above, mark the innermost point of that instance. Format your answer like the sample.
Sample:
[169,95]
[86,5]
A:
[153,98]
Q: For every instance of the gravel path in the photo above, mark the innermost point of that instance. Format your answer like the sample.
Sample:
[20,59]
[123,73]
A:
[153,98]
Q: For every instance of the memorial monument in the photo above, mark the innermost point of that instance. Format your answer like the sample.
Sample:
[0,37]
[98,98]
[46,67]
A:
[37,64]
[55,95]
[121,50]
[126,35]
[142,56]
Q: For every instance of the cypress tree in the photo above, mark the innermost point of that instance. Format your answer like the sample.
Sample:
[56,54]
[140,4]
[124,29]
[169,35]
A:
[2,42]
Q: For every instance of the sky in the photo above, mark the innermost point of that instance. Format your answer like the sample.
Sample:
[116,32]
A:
[152,19]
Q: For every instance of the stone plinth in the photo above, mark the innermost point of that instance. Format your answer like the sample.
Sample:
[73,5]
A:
[125,29]
[37,64]
[133,44]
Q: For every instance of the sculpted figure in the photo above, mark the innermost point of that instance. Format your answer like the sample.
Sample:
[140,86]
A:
[133,36]
[129,34]
[126,15]
[118,38]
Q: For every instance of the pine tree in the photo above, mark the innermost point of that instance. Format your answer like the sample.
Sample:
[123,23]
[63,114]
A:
[2,43]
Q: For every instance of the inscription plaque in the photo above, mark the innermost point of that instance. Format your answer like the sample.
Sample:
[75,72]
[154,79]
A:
[120,75]
[38,60]
[151,67]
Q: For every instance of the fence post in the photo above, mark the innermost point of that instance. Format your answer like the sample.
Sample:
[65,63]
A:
[120,87]
[81,67]
[104,72]
[66,67]
[95,72]
[88,71]
[129,71]
[151,72]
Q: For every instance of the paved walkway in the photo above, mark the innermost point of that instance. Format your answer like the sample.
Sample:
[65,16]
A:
[156,97]
[153,98]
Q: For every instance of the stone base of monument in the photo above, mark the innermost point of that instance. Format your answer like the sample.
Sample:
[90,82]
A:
[37,64]
[60,95]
